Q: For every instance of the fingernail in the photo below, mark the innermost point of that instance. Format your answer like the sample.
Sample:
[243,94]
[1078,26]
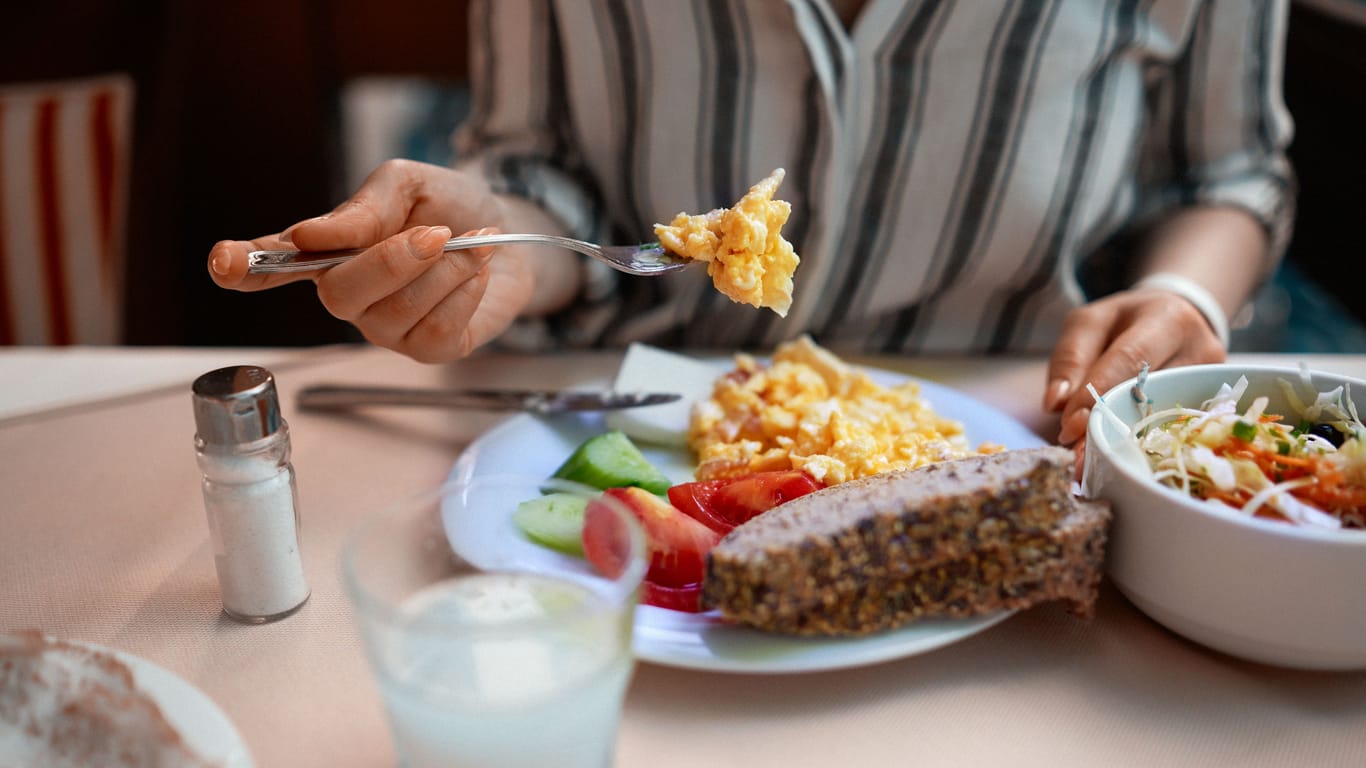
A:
[426,242]
[1056,394]
[306,222]
[419,242]
[221,263]
[1074,426]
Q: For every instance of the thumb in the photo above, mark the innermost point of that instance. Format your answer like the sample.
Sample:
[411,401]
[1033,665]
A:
[380,208]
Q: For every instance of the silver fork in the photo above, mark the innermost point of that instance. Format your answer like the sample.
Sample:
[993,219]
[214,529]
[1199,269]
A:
[643,259]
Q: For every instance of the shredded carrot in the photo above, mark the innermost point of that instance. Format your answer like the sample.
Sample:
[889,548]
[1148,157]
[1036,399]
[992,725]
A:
[1232,498]
[1330,492]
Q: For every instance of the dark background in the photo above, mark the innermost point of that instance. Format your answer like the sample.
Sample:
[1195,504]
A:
[1325,91]
[236,134]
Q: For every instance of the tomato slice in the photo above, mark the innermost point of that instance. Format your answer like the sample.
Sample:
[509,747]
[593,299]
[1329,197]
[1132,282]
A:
[678,544]
[751,495]
[606,543]
[725,503]
[682,530]
[695,500]
[685,598]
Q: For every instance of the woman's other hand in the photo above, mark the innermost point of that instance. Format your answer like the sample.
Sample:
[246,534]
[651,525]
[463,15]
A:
[1107,341]
[1216,249]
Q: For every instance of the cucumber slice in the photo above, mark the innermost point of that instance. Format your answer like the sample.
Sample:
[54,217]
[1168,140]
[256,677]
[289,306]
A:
[554,520]
[611,460]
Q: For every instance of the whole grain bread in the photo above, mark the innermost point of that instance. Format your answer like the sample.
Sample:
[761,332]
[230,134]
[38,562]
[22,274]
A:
[953,539]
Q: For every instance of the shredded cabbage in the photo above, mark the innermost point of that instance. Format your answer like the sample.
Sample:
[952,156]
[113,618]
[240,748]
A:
[1258,463]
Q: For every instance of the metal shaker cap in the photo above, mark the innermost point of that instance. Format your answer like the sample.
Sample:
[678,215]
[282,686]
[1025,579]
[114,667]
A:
[237,404]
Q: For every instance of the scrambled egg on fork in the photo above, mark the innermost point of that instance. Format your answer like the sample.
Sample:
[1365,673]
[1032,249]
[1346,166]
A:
[808,410]
[747,257]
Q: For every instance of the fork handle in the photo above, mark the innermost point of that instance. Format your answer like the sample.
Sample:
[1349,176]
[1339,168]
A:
[270,261]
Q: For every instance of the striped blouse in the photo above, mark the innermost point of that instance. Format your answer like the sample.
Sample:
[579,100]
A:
[956,169]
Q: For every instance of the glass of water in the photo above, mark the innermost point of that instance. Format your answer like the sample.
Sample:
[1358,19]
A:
[491,650]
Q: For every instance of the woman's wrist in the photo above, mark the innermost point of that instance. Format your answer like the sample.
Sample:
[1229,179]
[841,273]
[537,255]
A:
[1199,297]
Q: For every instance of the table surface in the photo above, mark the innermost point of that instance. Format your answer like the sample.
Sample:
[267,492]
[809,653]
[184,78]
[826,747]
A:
[103,538]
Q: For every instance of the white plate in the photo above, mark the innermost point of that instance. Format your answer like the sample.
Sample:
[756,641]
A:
[528,444]
[203,726]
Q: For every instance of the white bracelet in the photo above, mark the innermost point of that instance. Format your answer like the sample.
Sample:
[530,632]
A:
[1196,294]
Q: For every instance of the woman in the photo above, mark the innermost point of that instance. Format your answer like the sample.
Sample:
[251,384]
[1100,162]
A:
[1102,180]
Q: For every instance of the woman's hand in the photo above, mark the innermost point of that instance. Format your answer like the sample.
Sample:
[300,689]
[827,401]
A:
[1221,248]
[405,293]
[1107,341]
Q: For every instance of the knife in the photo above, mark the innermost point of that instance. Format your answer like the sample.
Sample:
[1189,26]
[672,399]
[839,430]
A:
[543,402]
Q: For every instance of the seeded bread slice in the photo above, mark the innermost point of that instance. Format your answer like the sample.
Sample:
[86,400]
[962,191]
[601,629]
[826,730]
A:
[890,524]
[937,540]
[1063,564]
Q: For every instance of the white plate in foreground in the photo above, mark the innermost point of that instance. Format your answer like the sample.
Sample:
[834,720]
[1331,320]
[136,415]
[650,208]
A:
[527,444]
[201,725]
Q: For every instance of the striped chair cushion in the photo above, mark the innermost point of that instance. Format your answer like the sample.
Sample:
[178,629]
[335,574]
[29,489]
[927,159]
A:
[64,163]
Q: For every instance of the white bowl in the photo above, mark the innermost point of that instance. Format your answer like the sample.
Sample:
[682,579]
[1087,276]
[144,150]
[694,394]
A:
[1257,589]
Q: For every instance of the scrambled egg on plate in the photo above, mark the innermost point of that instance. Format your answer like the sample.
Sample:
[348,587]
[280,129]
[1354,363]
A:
[810,411]
[747,257]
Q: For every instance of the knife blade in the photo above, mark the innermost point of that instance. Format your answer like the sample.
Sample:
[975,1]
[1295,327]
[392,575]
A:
[539,401]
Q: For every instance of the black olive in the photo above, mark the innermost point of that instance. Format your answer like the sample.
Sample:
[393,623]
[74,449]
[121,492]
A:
[1328,432]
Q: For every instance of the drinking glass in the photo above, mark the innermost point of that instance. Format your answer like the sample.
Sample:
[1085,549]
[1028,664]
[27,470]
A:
[491,650]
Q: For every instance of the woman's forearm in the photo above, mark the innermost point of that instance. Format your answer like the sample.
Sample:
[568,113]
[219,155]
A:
[1222,248]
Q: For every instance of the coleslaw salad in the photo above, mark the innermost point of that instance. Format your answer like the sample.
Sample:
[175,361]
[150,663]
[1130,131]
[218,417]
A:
[1307,467]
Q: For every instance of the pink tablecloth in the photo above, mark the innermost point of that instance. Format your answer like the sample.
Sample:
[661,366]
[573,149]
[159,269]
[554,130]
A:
[103,538]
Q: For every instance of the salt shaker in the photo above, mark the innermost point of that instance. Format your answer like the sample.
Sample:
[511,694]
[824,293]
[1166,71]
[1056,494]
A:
[242,445]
